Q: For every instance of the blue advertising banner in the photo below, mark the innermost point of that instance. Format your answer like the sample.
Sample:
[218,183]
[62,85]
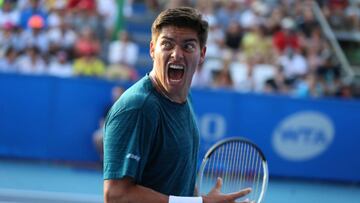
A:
[52,118]
[43,117]
[306,138]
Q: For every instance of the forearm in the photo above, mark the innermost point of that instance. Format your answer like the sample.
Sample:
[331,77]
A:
[132,193]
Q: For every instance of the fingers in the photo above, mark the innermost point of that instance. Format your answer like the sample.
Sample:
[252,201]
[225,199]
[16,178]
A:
[215,194]
[240,193]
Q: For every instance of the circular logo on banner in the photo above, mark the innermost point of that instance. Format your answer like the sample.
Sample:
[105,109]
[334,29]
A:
[212,127]
[303,136]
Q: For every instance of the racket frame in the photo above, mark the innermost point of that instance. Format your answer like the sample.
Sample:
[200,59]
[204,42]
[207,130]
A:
[228,140]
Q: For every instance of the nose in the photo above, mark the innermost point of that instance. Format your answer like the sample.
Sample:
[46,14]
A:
[177,53]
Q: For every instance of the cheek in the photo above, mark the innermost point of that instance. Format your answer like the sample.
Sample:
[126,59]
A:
[160,58]
[195,61]
[160,62]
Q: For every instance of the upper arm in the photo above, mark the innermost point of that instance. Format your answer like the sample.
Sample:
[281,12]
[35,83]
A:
[125,190]
[116,189]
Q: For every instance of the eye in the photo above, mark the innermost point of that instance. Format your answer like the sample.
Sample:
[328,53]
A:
[166,45]
[190,47]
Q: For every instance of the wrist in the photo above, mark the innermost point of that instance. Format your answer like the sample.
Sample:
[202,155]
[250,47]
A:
[178,199]
[204,198]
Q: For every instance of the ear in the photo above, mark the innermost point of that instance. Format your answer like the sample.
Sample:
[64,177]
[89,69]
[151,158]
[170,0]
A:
[202,55]
[152,49]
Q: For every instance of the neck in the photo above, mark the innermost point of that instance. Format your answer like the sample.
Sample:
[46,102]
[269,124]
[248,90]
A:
[159,88]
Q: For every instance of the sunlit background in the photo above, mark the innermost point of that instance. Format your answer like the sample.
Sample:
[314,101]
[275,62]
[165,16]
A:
[282,73]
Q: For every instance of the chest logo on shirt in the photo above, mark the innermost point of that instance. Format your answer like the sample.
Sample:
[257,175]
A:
[133,156]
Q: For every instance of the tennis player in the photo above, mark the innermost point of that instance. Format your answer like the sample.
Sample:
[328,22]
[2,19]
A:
[151,139]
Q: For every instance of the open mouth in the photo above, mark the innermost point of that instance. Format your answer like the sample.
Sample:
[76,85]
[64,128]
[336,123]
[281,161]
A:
[175,72]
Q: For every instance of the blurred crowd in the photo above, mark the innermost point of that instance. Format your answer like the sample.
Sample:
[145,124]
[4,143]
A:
[265,46]
[273,46]
[65,38]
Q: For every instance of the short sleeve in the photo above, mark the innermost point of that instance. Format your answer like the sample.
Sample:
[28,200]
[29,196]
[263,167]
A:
[127,141]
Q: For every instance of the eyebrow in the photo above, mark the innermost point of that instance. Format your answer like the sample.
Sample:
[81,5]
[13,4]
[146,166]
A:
[186,40]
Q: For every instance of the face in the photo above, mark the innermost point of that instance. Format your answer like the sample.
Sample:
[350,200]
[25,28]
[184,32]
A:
[177,54]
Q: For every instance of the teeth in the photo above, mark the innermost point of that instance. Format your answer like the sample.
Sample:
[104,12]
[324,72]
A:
[176,67]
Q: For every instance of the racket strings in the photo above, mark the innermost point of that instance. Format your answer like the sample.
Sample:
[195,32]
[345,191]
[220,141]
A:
[239,164]
[227,175]
[233,168]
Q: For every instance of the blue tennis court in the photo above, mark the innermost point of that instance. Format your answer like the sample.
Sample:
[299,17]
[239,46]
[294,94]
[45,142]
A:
[26,181]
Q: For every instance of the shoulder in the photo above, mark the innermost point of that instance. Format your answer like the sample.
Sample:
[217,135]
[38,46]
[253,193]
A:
[139,97]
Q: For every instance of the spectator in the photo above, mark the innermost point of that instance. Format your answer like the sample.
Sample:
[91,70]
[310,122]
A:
[79,4]
[34,8]
[222,78]
[62,37]
[207,9]
[352,14]
[300,51]
[86,42]
[123,54]
[36,35]
[60,66]
[107,9]
[233,36]
[307,23]
[255,44]
[8,37]
[314,41]
[227,13]
[32,62]
[329,73]
[215,42]
[337,17]
[123,51]
[244,80]
[8,63]
[277,84]
[57,13]
[85,16]
[295,64]
[309,86]
[249,16]
[314,59]
[9,15]
[274,20]
[89,65]
[287,37]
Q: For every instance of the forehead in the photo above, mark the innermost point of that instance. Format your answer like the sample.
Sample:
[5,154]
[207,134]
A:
[178,33]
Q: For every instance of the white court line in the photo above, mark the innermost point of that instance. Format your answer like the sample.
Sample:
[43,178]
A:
[15,195]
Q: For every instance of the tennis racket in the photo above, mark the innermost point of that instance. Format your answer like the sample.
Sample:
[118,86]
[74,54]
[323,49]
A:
[240,163]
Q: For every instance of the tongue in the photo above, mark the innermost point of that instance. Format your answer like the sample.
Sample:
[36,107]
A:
[175,74]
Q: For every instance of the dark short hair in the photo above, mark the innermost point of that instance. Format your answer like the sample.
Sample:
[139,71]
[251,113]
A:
[181,17]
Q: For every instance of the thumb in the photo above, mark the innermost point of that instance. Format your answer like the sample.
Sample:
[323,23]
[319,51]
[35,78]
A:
[217,188]
[219,183]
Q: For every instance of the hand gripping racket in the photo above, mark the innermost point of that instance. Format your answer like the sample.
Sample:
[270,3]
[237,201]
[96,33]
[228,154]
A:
[240,163]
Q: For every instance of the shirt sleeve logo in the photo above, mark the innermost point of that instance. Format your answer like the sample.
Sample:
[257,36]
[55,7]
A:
[133,156]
